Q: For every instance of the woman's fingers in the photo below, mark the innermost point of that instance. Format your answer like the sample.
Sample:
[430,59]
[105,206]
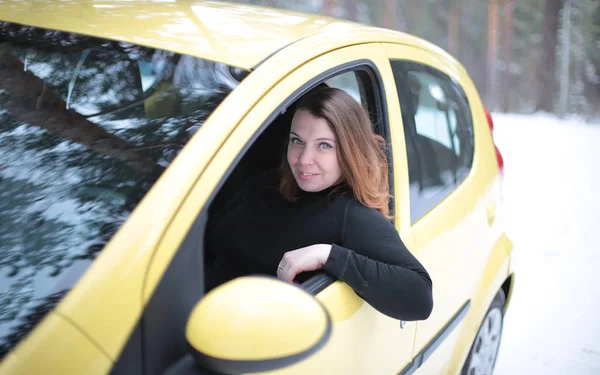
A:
[286,271]
[308,258]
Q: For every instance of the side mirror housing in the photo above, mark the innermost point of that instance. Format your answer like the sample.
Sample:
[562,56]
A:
[255,324]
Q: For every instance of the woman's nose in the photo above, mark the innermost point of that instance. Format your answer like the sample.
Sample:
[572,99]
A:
[306,157]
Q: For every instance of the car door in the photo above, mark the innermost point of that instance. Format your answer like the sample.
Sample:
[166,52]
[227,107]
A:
[439,135]
[363,340]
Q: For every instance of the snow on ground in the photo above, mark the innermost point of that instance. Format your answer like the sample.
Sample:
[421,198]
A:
[552,207]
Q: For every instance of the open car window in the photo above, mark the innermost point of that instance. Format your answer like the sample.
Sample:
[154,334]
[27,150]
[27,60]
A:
[86,127]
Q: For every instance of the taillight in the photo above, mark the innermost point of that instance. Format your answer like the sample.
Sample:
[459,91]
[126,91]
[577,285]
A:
[500,160]
[498,154]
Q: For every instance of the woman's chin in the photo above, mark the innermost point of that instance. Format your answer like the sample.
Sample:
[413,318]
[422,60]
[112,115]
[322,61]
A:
[309,186]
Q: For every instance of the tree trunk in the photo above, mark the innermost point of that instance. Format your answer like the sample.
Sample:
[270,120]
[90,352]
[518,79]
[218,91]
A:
[441,24]
[389,14]
[403,15]
[492,54]
[351,10]
[31,101]
[546,76]
[565,66]
[454,28]
[507,89]
[532,71]
[327,7]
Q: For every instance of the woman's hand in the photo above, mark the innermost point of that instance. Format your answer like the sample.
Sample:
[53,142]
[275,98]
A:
[305,259]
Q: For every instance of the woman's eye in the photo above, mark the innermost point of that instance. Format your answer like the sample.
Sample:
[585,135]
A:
[325,146]
[296,141]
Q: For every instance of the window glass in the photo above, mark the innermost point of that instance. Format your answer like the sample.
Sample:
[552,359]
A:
[86,127]
[348,82]
[439,133]
[431,118]
[360,85]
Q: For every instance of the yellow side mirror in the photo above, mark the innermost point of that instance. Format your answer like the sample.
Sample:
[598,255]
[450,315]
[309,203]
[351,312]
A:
[254,324]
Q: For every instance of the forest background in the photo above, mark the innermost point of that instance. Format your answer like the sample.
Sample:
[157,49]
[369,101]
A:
[523,55]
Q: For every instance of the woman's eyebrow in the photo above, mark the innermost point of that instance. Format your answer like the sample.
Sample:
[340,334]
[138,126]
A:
[318,139]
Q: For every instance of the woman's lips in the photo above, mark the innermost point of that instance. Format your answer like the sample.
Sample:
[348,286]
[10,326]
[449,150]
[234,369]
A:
[307,176]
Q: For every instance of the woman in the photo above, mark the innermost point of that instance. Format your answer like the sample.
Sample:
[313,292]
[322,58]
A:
[326,208]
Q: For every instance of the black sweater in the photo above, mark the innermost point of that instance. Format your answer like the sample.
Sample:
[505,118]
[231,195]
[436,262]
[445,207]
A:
[253,231]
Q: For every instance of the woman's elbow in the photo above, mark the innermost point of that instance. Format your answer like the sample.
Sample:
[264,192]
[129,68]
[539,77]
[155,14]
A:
[421,306]
[409,310]
[426,298]
[426,306]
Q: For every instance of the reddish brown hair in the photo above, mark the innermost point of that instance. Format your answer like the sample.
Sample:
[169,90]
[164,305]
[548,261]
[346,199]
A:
[361,152]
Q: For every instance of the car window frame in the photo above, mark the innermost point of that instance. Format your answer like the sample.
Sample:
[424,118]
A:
[376,105]
[420,210]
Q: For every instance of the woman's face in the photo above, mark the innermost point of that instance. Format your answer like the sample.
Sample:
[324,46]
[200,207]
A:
[312,153]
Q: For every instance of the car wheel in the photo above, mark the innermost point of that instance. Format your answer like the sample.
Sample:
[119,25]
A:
[483,354]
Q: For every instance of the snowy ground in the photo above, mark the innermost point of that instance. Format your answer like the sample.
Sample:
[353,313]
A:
[552,207]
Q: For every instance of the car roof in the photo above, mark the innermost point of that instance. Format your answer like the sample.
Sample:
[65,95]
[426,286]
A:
[236,34]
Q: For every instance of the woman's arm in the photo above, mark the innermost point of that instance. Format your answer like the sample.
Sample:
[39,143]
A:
[374,261]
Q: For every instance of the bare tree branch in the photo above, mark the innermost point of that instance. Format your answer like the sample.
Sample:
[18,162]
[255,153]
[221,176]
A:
[31,101]
[151,91]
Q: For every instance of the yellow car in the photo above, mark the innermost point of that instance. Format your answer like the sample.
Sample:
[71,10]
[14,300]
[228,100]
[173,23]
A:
[125,126]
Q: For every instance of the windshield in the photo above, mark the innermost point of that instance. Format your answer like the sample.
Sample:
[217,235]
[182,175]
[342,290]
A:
[86,127]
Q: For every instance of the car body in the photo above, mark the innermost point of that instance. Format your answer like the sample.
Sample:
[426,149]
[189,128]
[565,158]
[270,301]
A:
[124,307]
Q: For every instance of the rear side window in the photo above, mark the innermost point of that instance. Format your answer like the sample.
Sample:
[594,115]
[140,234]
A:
[86,127]
[439,133]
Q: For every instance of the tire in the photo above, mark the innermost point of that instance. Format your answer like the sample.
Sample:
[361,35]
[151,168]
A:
[484,351]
